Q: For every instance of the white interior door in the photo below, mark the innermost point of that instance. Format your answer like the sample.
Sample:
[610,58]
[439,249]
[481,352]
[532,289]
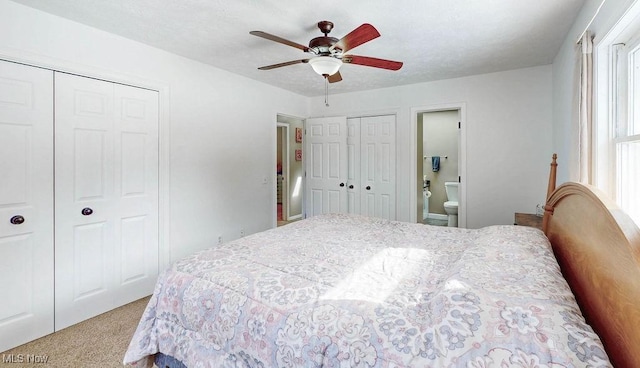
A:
[106,175]
[326,165]
[26,168]
[378,166]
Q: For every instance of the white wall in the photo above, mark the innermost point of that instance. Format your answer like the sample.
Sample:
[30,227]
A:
[218,148]
[509,136]
[565,67]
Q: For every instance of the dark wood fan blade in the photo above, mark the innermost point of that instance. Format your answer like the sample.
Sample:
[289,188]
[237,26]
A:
[269,67]
[357,37]
[372,62]
[334,78]
[281,40]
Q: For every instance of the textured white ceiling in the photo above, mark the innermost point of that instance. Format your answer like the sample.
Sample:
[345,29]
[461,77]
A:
[436,39]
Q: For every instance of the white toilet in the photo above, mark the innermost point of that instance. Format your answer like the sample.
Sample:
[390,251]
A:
[451,205]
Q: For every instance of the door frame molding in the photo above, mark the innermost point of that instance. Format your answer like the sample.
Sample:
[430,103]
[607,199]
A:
[286,153]
[290,120]
[164,127]
[461,107]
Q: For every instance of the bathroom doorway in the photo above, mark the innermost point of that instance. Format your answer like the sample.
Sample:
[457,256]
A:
[439,192]
[289,171]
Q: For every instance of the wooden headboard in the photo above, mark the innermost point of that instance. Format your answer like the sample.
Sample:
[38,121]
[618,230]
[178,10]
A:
[598,248]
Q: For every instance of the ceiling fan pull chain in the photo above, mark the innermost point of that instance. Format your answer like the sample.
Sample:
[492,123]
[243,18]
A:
[326,91]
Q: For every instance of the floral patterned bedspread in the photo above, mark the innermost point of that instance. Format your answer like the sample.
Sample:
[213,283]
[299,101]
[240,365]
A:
[351,291]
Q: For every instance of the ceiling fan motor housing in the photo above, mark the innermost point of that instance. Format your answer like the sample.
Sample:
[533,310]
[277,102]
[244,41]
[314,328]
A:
[322,44]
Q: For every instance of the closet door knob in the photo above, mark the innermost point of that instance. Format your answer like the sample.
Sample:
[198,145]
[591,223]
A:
[368,187]
[351,186]
[342,184]
[87,211]
[17,220]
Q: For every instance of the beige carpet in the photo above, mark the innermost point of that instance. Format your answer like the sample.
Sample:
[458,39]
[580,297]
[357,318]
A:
[97,342]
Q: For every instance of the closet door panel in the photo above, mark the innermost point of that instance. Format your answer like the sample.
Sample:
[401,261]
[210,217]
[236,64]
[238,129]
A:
[26,203]
[315,173]
[353,162]
[84,177]
[326,165]
[378,162]
[90,169]
[16,254]
[90,253]
[106,196]
[136,180]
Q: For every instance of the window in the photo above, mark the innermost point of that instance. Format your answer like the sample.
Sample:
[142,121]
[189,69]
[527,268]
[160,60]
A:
[618,117]
[627,128]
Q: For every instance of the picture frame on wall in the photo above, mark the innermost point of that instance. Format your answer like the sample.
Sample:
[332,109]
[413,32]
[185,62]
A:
[299,135]
[298,155]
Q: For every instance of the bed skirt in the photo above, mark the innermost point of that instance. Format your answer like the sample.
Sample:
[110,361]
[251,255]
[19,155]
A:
[167,361]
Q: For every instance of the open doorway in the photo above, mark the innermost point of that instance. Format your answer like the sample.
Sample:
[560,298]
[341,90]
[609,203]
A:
[282,173]
[439,194]
[289,172]
[440,167]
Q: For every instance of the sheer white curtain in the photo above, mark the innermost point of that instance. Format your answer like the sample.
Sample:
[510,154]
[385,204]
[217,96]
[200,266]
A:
[585,108]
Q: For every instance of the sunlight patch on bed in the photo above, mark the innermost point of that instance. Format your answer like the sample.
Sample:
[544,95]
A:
[380,275]
[455,285]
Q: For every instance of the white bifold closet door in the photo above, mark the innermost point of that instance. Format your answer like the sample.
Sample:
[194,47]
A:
[351,166]
[106,196]
[26,203]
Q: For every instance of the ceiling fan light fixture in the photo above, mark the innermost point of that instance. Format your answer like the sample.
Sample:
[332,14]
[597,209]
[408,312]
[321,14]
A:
[325,65]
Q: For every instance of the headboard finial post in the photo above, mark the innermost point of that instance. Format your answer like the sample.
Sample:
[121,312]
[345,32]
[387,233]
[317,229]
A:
[548,210]
[552,175]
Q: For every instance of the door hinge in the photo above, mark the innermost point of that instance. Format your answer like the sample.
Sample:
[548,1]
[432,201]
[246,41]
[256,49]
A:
[459,125]
[459,179]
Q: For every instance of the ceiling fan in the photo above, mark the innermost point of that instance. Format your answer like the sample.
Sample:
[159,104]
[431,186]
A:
[329,53]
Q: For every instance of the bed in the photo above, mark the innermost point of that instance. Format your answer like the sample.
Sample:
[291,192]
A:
[341,290]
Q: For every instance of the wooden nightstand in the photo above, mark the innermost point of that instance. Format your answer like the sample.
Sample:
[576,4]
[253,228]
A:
[528,219]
